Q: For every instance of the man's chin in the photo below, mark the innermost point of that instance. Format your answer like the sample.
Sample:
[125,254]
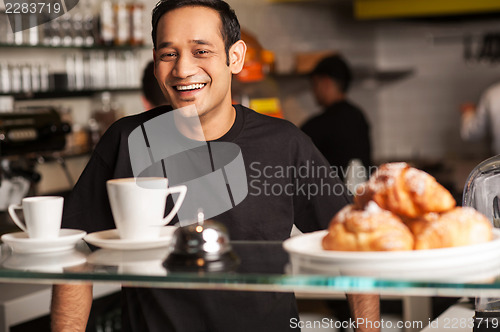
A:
[187,109]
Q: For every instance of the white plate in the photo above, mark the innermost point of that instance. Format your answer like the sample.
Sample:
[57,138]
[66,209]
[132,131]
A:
[54,262]
[111,240]
[308,257]
[21,243]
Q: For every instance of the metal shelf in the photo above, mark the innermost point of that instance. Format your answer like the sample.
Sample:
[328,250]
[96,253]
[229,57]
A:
[64,93]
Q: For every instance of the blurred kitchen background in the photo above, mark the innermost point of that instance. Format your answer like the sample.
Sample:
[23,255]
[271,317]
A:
[415,63]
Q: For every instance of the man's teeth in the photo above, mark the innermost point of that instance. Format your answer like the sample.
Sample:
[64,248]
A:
[190,87]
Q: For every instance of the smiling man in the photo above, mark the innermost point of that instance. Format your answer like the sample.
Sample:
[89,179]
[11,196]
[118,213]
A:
[197,49]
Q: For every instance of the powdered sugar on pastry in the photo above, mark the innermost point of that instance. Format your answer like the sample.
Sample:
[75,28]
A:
[385,176]
[415,180]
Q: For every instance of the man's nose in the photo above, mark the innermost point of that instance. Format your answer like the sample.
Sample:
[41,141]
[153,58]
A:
[185,66]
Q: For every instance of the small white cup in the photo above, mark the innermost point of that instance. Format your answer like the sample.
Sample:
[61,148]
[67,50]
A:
[42,215]
[138,206]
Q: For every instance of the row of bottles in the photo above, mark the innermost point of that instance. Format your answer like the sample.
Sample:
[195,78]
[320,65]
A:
[117,22]
[17,78]
[121,23]
[93,70]
[97,70]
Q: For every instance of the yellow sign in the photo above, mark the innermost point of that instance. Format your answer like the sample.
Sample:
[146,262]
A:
[267,106]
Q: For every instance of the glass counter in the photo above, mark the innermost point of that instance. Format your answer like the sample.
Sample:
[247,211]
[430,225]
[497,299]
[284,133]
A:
[263,266]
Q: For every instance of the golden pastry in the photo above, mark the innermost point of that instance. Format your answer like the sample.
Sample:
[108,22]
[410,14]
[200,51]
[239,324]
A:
[405,191]
[370,229]
[458,227]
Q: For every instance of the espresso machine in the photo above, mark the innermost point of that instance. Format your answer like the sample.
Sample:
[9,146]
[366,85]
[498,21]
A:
[482,192]
[25,136]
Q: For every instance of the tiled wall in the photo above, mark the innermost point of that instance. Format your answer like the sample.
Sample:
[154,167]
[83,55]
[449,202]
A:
[419,117]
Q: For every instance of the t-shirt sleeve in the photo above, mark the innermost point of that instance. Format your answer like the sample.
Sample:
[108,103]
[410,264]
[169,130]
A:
[320,192]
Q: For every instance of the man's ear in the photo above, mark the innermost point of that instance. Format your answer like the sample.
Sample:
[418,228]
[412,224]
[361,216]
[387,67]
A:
[237,56]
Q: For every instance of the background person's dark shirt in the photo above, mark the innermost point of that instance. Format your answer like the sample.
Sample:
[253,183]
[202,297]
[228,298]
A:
[341,133]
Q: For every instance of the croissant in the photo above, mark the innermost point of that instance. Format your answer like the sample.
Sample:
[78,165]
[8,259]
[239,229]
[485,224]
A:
[458,227]
[370,229]
[405,191]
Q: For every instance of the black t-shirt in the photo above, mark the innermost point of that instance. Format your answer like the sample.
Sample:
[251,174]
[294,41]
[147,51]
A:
[289,181]
[341,133]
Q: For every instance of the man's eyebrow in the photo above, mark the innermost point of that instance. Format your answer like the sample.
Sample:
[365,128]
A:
[194,41]
[164,45]
[201,42]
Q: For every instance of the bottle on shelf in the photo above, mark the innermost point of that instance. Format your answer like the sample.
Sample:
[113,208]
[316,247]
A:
[88,24]
[55,33]
[33,31]
[15,74]
[136,14]
[122,23]
[5,81]
[18,23]
[5,30]
[26,78]
[66,29]
[35,77]
[77,28]
[107,23]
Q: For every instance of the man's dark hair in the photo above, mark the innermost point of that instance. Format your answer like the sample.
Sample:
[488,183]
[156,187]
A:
[150,88]
[230,28]
[335,67]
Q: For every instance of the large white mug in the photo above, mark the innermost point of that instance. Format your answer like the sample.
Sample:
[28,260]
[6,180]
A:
[42,215]
[138,205]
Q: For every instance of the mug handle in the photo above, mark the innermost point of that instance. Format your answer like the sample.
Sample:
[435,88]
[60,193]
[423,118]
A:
[181,190]
[13,215]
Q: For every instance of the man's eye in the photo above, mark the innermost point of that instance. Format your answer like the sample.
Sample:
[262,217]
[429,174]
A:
[202,52]
[167,56]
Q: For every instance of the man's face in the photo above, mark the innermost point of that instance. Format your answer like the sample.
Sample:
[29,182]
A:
[321,88]
[190,60]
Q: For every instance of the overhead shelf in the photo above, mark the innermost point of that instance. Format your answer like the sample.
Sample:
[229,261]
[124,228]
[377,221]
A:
[362,75]
[63,93]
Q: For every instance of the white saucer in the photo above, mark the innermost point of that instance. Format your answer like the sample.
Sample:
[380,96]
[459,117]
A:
[111,240]
[21,243]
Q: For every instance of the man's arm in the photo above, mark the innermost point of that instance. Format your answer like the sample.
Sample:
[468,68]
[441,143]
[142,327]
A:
[70,307]
[365,311]
[474,120]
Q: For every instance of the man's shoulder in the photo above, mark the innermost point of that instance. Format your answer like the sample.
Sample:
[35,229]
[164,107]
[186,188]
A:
[129,123]
[253,118]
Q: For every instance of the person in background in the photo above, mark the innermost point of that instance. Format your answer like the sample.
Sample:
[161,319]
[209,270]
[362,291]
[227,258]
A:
[341,131]
[478,122]
[197,49]
[152,96]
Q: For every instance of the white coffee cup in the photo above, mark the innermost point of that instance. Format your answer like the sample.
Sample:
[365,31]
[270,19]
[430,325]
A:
[42,215]
[138,205]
